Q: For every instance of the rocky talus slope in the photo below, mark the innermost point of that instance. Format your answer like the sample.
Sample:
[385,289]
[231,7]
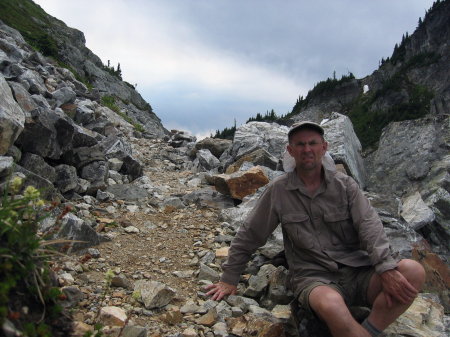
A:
[161,250]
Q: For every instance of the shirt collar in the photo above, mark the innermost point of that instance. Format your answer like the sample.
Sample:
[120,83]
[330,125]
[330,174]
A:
[294,182]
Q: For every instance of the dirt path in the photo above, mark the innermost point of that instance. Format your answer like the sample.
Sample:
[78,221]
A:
[166,248]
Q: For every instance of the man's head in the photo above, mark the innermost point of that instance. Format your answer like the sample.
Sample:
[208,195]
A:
[307,145]
[304,125]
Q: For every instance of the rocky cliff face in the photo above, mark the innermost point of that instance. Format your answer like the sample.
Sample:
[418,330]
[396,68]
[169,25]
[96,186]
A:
[410,84]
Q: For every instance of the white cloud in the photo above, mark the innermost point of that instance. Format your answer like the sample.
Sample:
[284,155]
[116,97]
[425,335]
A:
[157,49]
[232,59]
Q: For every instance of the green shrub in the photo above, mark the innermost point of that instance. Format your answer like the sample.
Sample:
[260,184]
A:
[24,271]
[368,124]
[32,22]
[110,102]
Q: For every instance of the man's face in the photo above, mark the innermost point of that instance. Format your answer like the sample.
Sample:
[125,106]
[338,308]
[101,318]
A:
[307,147]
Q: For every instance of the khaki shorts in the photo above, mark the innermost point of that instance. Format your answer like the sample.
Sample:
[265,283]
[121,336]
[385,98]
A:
[352,285]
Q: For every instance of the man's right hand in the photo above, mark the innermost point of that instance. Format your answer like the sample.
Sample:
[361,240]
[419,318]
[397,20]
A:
[219,290]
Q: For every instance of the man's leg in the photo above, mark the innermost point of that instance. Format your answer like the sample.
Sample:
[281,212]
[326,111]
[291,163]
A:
[330,306]
[382,315]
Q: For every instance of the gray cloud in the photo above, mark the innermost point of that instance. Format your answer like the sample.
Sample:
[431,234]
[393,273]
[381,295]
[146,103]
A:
[203,63]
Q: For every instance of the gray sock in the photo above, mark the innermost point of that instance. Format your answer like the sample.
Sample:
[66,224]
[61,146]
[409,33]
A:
[374,332]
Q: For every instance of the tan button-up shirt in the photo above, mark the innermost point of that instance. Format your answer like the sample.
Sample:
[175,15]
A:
[335,225]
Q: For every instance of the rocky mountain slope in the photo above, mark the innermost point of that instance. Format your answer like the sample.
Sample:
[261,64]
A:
[410,84]
[151,214]
[67,47]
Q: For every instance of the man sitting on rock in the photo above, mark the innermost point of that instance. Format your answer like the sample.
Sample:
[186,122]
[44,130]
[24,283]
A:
[335,245]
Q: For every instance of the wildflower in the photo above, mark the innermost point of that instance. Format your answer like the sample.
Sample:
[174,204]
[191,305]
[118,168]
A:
[40,203]
[13,214]
[15,184]
[31,193]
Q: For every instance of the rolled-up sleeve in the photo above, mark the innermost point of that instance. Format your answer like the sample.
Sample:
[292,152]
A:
[370,229]
[252,234]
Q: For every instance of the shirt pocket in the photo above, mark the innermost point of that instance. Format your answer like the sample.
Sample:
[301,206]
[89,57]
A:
[341,228]
[297,228]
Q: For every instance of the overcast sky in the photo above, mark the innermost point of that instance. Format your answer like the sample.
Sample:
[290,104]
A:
[202,64]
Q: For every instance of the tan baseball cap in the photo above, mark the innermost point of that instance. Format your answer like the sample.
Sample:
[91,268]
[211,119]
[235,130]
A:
[306,125]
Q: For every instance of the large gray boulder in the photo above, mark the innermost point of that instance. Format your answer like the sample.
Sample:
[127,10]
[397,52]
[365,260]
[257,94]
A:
[207,160]
[46,134]
[407,152]
[215,145]
[22,97]
[344,146]
[413,157]
[63,95]
[76,229]
[37,165]
[256,135]
[271,139]
[96,173]
[12,117]
[66,178]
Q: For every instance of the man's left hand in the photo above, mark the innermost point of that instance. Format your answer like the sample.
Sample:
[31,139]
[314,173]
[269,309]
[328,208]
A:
[397,287]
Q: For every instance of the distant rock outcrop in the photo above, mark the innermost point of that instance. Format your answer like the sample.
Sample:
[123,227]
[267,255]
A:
[412,83]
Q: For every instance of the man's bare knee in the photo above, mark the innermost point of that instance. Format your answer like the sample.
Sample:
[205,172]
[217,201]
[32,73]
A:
[413,271]
[326,301]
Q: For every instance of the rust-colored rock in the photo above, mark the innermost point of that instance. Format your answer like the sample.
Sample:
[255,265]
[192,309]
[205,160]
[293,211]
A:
[240,184]
[437,274]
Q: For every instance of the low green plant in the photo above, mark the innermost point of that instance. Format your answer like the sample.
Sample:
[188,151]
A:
[24,270]
[136,295]
[77,76]
[110,102]
[32,22]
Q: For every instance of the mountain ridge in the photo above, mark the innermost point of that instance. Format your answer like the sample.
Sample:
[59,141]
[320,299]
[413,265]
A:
[412,83]
[67,47]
